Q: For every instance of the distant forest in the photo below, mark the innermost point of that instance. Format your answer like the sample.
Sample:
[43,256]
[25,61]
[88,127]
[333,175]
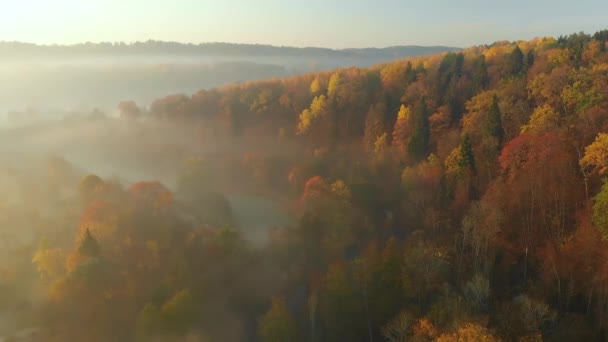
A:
[154,47]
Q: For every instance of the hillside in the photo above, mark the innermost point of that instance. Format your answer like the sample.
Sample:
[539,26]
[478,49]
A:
[160,48]
[100,75]
[459,196]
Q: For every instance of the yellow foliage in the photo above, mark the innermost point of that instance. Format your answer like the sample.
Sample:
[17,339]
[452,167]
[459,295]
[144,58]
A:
[50,262]
[596,154]
[340,189]
[542,120]
[469,332]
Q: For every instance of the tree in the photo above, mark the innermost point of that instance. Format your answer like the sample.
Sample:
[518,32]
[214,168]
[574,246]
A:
[418,146]
[316,86]
[90,186]
[596,155]
[334,82]
[50,262]
[480,74]
[600,210]
[543,120]
[424,270]
[380,146]
[480,228]
[308,117]
[374,124]
[339,306]
[477,292]
[467,157]
[402,129]
[278,324]
[129,110]
[89,246]
[493,126]
[515,62]
[469,332]
[398,328]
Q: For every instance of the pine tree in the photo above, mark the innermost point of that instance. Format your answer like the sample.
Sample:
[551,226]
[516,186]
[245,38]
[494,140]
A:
[529,60]
[494,121]
[89,246]
[467,156]
[480,74]
[515,62]
[418,146]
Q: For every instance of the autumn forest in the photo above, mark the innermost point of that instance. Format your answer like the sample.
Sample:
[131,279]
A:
[460,196]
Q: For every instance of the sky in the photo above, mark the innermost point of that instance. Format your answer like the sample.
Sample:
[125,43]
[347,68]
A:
[319,23]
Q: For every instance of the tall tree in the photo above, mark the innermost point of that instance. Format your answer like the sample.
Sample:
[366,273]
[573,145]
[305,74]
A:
[418,146]
[89,246]
[515,62]
[467,155]
[402,129]
[494,121]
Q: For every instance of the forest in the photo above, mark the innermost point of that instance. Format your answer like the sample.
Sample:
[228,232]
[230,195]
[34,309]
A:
[46,79]
[459,196]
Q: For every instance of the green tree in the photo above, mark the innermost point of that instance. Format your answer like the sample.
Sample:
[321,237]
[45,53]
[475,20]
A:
[494,126]
[89,246]
[480,74]
[467,157]
[418,146]
[515,62]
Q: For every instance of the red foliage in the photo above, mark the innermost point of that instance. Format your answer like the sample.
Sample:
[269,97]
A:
[314,188]
[151,194]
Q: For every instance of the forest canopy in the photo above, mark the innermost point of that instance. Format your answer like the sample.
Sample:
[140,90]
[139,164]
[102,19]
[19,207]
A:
[459,196]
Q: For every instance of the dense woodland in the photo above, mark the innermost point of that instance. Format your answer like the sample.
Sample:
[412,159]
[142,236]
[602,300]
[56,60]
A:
[454,197]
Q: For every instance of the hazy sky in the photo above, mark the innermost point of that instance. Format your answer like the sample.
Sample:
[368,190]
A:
[327,23]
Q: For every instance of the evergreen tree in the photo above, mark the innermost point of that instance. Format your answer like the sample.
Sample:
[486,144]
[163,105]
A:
[529,60]
[89,246]
[467,156]
[480,74]
[418,146]
[515,62]
[494,121]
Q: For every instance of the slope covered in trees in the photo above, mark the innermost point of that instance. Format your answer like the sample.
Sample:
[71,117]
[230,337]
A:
[454,197]
[152,47]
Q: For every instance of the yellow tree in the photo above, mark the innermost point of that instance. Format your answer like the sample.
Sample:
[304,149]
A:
[596,155]
[402,129]
[543,120]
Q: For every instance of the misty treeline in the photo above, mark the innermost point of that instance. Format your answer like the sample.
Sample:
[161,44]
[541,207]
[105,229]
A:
[454,197]
[154,47]
[46,79]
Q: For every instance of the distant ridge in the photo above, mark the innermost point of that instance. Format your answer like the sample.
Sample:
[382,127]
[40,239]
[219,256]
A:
[153,47]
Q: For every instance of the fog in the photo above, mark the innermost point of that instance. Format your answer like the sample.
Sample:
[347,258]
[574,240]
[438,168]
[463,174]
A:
[48,79]
[119,195]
